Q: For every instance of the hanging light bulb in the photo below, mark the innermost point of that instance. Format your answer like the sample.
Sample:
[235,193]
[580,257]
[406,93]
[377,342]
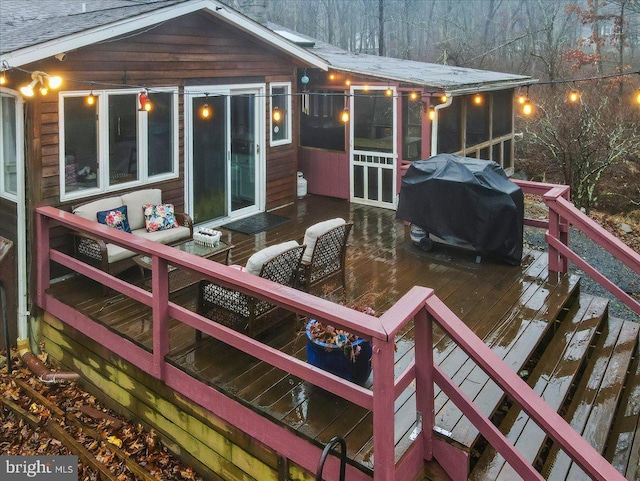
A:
[574,96]
[638,96]
[54,81]
[91,99]
[389,92]
[413,95]
[277,115]
[27,90]
[332,76]
[3,78]
[347,82]
[432,113]
[444,98]
[345,115]
[44,90]
[205,111]
[527,107]
[477,99]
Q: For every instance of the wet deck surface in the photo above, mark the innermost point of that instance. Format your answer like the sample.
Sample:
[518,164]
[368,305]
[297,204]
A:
[510,307]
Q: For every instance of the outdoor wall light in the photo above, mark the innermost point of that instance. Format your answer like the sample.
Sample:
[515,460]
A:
[27,90]
[39,77]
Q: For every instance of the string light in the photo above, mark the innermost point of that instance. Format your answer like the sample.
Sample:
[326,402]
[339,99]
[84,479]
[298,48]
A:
[574,96]
[432,113]
[638,97]
[277,116]
[477,99]
[3,78]
[413,95]
[205,111]
[345,115]
[389,92]
[145,103]
[444,98]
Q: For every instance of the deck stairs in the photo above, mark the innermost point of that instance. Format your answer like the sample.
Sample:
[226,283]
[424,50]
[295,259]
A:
[585,367]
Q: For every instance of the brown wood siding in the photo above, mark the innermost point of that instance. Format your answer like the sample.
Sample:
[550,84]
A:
[195,49]
[9,273]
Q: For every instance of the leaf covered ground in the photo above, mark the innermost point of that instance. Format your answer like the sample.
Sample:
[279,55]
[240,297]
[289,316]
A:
[118,438]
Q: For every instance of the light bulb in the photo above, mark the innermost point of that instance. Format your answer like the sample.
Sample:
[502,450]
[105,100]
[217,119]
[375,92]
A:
[3,79]
[332,76]
[432,113]
[389,92]
[44,90]
[348,82]
[477,99]
[27,90]
[638,97]
[522,99]
[277,116]
[148,106]
[444,98]
[574,96]
[413,95]
[345,116]
[54,81]
[527,108]
[91,99]
[205,111]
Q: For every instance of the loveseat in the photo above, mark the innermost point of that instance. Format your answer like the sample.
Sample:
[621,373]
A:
[127,212]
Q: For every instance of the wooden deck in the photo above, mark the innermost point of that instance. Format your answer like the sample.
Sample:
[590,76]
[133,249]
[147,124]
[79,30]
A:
[515,309]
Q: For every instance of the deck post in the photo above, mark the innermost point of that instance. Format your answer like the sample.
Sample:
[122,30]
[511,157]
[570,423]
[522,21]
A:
[383,410]
[43,279]
[423,325]
[160,306]
[558,229]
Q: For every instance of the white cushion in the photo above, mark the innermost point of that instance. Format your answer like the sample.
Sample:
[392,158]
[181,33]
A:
[316,230]
[168,236]
[134,202]
[256,261]
[89,211]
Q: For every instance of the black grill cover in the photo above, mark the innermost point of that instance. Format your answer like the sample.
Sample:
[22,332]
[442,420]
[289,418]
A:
[465,202]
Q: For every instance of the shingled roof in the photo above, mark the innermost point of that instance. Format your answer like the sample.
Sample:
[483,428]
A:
[30,32]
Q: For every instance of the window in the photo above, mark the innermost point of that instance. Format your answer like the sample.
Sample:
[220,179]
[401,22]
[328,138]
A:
[9,151]
[320,124]
[112,143]
[412,129]
[280,113]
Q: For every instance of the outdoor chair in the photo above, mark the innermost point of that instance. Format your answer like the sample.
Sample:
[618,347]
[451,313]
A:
[279,263]
[325,253]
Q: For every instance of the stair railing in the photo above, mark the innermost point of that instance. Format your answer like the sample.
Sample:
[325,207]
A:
[562,215]
[343,457]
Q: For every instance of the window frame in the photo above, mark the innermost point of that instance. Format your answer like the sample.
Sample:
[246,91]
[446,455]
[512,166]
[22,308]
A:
[18,147]
[286,115]
[102,147]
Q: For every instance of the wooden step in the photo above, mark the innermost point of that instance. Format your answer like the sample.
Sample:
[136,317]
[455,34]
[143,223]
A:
[623,446]
[594,403]
[554,374]
[514,340]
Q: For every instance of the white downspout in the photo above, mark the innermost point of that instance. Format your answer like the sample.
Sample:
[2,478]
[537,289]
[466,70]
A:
[434,125]
[23,313]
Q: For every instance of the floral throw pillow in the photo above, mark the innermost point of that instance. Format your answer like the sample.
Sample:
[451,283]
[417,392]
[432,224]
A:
[159,217]
[116,218]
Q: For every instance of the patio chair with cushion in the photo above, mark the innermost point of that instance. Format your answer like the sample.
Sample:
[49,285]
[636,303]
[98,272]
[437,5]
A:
[278,263]
[325,254]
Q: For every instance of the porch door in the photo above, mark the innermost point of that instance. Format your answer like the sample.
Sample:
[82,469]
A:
[373,147]
[224,156]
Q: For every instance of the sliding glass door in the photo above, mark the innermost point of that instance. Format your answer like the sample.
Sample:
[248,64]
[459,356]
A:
[224,155]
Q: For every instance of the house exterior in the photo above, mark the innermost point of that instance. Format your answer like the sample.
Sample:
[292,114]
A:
[91,137]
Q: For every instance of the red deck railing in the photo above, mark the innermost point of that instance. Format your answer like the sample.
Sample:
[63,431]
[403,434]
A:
[562,214]
[420,305]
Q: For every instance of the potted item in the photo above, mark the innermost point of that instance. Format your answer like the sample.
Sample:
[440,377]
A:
[338,351]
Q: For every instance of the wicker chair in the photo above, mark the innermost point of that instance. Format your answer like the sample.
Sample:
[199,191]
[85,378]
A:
[245,313]
[326,257]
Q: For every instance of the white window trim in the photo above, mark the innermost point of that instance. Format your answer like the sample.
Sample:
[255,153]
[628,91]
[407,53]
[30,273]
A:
[19,147]
[102,98]
[288,116]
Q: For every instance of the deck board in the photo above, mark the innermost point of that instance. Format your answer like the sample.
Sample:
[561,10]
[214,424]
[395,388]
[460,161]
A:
[494,299]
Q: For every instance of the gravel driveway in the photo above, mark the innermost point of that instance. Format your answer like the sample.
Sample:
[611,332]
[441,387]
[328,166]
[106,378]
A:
[614,270]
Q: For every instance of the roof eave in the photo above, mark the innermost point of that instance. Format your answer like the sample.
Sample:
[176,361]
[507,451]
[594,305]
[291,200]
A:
[68,43]
[451,90]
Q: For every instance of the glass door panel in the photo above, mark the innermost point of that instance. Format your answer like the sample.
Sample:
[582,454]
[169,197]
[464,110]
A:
[209,154]
[243,152]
